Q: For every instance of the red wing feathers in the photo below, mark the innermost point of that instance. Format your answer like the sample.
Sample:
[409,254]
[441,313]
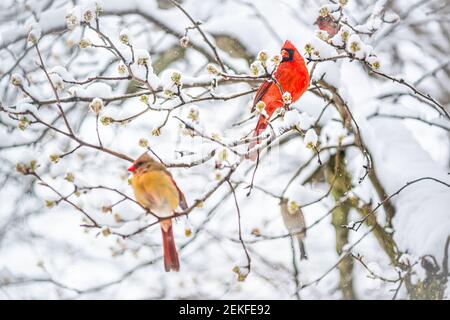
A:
[263,88]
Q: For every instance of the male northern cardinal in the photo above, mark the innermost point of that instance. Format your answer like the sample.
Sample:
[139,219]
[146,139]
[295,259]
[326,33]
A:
[292,76]
[155,189]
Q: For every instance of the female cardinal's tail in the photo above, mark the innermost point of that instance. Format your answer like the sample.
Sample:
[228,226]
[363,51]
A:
[260,127]
[170,250]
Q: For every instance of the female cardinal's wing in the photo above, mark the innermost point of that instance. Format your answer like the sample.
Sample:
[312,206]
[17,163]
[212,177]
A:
[261,92]
[183,203]
[182,200]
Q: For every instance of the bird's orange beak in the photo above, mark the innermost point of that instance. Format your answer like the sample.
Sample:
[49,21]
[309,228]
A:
[284,54]
[132,168]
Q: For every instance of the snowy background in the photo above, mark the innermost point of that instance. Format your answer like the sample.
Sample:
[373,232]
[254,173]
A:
[364,155]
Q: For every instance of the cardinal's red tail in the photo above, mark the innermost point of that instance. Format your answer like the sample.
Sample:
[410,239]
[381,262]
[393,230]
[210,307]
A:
[171,262]
[260,127]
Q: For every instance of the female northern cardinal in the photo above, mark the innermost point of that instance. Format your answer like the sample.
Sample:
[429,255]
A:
[155,189]
[294,221]
[293,77]
[328,24]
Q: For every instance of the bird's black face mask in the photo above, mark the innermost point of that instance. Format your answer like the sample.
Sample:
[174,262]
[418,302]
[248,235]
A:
[287,55]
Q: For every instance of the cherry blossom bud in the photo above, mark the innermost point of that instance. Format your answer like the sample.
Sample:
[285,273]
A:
[122,69]
[117,217]
[169,93]
[260,106]
[262,56]
[106,209]
[175,77]
[23,123]
[322,35]
[324,11]
[54,158]
[98,9]
[287,98]
[106,231]
[88,16]
[34,35]
[184,42]
[84,43]
[72,21]
[143,143]
[217,175]
[49,204]
[256,68]
[311,138]
[33,165]
[26,168]
[345,35]
[187,229]
[241,273]
[375,65]
[105,121]
[96,105]
[354,47]
[194,114]
[212,69]
[374,62]
[16,79]
[222,156]
[144,98]
[21,168]
[200,204]
[276,59]
[156,132]
[309,48]
[69,177]
[124,37]
[142,61]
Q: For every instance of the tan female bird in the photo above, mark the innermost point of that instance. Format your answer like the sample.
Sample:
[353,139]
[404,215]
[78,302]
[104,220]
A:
[155,189]
[328,23]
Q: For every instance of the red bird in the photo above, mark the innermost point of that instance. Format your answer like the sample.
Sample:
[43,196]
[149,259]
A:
[292,76]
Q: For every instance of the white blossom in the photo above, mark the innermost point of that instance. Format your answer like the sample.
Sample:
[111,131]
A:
[171,81]
[16,79]
[356,46]
[73,18]
[262,56]
[96,105]
[124,36]
[184,42]
[374,62]
[212,69]
[287,98]
[256,68]
[311,138]
[35,34]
